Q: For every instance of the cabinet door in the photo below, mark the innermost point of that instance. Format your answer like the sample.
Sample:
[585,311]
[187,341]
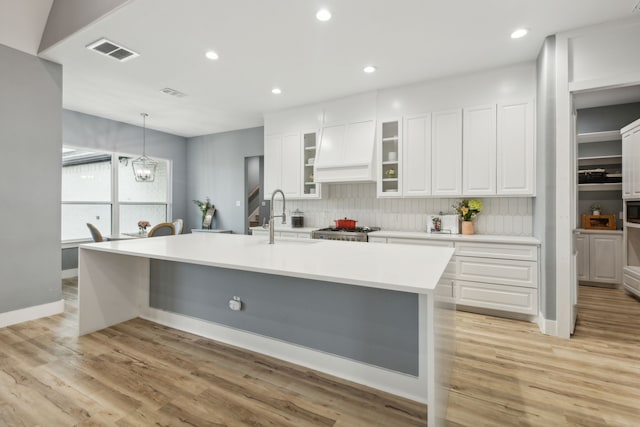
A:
[605,258]
[479,151]
[627,175]
[446,152]
[272,163]
[635,162]
[582,266]
[515,149]
[417,156]
[291,163]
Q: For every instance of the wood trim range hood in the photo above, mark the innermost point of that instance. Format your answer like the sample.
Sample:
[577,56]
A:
[346,152]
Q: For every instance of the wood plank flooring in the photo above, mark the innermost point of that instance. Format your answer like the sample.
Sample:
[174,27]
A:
[139,373]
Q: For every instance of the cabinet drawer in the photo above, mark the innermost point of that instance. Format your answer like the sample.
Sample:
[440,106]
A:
[631,281]
[497,250]
[423,242]
[497,271]
[497,297]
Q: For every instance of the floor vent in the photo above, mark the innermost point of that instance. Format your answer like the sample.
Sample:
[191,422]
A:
[113,50]
[173,92]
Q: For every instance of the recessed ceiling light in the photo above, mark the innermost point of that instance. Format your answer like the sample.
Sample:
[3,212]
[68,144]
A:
[369,69]
[211,55]
[323,15]
[519,33]
[276,91]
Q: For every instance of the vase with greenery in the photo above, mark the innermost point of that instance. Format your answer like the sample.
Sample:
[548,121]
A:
[204,207]
[468,210]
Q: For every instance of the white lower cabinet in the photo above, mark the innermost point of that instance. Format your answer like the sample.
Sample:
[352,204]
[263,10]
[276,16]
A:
[502,277]
[497,297]
[599,256]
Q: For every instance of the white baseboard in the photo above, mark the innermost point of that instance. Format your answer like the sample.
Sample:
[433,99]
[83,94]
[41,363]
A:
[31,313]
[404,385]
[548,327]
[67,274]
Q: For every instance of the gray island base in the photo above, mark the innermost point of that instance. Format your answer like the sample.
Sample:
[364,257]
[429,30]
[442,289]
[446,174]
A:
[376,314]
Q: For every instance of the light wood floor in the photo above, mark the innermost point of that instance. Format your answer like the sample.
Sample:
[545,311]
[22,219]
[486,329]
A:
[139,373]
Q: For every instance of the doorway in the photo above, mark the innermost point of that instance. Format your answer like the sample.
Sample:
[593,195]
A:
[599,243]
[256,209]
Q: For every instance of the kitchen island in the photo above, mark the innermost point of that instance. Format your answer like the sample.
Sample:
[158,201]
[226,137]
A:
[376,314]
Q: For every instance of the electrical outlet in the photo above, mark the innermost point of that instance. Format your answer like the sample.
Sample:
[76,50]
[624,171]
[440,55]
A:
[237,202]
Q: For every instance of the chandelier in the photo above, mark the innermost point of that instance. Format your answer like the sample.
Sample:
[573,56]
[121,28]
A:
[144,169]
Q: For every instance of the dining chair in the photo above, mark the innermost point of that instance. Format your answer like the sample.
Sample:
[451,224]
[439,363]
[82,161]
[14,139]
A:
[162,229]
[178,224]
[95,233]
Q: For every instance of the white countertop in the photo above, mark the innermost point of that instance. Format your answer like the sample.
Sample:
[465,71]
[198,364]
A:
[286,228]
[406,268]
[488,238]
[591,231]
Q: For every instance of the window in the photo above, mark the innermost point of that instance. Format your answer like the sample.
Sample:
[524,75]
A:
[89,194]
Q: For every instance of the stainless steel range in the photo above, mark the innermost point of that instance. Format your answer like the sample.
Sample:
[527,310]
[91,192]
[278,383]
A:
[358,234]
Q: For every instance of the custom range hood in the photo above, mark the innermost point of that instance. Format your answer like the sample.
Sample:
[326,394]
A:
[346,152]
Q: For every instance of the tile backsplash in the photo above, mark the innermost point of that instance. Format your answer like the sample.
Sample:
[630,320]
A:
[500,215]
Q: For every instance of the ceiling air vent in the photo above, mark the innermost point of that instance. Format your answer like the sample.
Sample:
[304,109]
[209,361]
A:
[114,50]
[636,9]
[173,92]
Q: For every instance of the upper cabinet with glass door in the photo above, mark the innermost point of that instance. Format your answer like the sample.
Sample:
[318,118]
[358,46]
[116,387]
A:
[389,155]
[310,189]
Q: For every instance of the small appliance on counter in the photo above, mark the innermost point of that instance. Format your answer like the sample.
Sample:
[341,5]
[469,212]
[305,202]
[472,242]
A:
[297,219]
[444,224]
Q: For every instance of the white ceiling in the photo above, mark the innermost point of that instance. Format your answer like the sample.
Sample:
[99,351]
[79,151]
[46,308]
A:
[22,23]
[267,43]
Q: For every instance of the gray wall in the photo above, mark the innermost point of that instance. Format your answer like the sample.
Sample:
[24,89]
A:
[374,326]
[216,169]
[544,205]
[84,130]
[30,175]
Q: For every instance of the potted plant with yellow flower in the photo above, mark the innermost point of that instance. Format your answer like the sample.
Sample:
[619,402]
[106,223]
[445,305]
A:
[468,209]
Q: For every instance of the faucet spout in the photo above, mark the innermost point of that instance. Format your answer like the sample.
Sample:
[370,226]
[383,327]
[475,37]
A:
[272,216]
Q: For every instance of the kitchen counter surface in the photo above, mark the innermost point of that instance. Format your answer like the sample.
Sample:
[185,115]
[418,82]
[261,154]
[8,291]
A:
[286,228]
[488,238]
[590,231]
[405,268]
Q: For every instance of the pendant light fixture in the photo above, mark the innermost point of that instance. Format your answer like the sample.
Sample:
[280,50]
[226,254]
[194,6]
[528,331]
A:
[144,169]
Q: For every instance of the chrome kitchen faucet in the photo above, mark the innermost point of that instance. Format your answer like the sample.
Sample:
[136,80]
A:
[272,216]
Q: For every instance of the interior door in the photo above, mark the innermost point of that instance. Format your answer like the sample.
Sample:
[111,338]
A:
[574,220]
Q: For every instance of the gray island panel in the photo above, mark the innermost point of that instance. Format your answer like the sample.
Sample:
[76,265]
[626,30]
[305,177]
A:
[374,326]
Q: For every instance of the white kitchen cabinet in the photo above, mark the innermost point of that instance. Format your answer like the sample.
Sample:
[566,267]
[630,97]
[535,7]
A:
[291,182]
[272,163]
[499,276]
[282,164]
[479,151]
[627,160]
[599,256]
[390,159]
[631,160]
[310,189]
[416,152]
[582,259]
[446,153]
[515,149]
[512,299]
